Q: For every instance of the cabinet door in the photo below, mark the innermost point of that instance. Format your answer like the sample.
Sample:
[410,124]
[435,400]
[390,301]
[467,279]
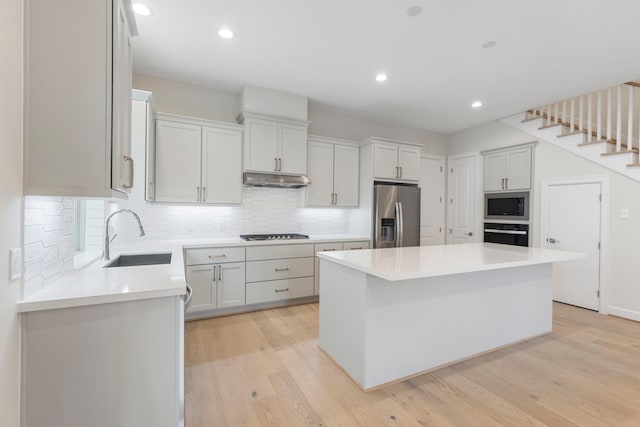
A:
[322,247]
[177,162]
[385,158]
[346,175]
[260,145]
[202,281]
[230,284]
[494,171]
[431,202]
[221,165]
[122,161]
[320,172]
[293,148]
[518,169]
[409,163]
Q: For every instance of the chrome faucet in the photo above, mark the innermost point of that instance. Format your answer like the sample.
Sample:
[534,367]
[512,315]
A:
[107,241]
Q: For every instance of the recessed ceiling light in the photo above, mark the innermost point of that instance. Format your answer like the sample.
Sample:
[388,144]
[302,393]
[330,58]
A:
[225,33]
[414,10]
[141,9]
[476,104]
[381,77]
[488,44]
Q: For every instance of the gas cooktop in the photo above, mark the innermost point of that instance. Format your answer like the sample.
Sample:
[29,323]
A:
[286,236]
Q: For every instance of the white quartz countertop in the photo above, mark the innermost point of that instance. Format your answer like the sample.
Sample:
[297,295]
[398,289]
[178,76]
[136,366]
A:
[94,284]
[428,261]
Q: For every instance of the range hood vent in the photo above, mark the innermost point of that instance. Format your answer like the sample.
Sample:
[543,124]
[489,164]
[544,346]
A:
[271,180]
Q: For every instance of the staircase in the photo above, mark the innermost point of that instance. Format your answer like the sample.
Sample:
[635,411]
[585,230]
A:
[603,127]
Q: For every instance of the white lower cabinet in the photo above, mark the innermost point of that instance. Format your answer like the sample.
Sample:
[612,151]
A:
[276,290]
[331,247]
[216,276]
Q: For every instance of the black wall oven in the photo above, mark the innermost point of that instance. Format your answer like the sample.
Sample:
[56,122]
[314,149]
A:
[506,206]
[506,234]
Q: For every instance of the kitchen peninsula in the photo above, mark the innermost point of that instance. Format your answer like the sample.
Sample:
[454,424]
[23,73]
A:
[390,314]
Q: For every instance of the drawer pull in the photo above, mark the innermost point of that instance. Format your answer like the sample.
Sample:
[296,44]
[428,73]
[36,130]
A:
[282,269]
[355,249]
[217,256]
[282,290]
[328,250]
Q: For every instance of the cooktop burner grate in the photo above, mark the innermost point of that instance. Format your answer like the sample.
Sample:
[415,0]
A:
[285,236]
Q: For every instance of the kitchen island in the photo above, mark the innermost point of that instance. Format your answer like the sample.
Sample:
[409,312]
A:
[391,314]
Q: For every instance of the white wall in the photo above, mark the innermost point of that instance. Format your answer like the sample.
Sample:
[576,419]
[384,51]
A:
[10,203]
[552,162]
[207,103]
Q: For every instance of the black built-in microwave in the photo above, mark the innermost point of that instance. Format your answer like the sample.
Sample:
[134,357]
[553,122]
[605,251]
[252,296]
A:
[506,206]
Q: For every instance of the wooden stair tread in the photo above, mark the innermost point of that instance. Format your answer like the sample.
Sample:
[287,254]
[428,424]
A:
[572,133]
[530,119]
[614,153]
[550,126]
[633,165]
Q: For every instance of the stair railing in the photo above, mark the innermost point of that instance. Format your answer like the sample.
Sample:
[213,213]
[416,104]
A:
[625,97]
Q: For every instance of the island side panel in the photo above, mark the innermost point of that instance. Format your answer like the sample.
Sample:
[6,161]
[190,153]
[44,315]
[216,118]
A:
[416,325]
[342,315]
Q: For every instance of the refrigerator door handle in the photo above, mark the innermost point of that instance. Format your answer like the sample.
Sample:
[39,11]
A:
[396,238]
[401,221]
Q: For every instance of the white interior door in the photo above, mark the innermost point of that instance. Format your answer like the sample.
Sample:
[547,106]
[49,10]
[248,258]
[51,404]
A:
[573,213]
[432,201]
[462,173]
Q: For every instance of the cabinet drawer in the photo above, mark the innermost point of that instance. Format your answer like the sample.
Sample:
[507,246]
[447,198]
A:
[328,247]
[350,246]
[255,253]
[276,290]
[275,269]
[213,255]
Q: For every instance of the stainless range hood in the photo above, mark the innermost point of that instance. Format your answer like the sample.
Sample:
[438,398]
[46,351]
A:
[255,179]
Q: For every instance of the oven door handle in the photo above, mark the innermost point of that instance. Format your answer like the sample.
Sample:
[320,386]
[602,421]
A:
[521,232]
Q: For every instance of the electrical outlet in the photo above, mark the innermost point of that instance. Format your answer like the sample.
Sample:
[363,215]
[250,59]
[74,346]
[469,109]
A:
[624,213]
[15,263]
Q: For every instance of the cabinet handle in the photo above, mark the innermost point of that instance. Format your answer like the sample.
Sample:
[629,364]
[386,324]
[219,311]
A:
[355,249]
[204,193]
[217,256]
[282,290]
[275,159]
[397,173]
[282,269]
[129,183]
[336,201]
[279,164]
[506,183]
[329,250]
[198,194]
[219,273]
[502,180]
[213,279]
[400,171]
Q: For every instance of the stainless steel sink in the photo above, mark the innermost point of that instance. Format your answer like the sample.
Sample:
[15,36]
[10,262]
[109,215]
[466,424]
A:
[140,259]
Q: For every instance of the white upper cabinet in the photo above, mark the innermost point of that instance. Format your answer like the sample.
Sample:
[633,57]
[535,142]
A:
[395,160]
[178,153]
[221,165]
[274,145]
[197,161]
[333,169]
[78,97]
[508,169]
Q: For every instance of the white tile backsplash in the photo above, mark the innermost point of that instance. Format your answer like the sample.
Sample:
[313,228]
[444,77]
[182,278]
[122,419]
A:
[263,210]
[48,240]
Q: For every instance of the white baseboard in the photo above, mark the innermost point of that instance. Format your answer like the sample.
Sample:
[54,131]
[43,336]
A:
[623,312]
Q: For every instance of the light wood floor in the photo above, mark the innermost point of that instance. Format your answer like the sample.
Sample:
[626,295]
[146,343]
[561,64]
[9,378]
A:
[265,369]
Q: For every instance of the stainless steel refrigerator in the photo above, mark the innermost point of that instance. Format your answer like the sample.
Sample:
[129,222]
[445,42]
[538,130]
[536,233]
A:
[396,215]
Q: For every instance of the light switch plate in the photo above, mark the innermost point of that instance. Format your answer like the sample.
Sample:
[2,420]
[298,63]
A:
[15,263]
[624,213]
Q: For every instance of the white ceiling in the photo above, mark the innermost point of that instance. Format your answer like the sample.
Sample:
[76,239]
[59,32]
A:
[331,50]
